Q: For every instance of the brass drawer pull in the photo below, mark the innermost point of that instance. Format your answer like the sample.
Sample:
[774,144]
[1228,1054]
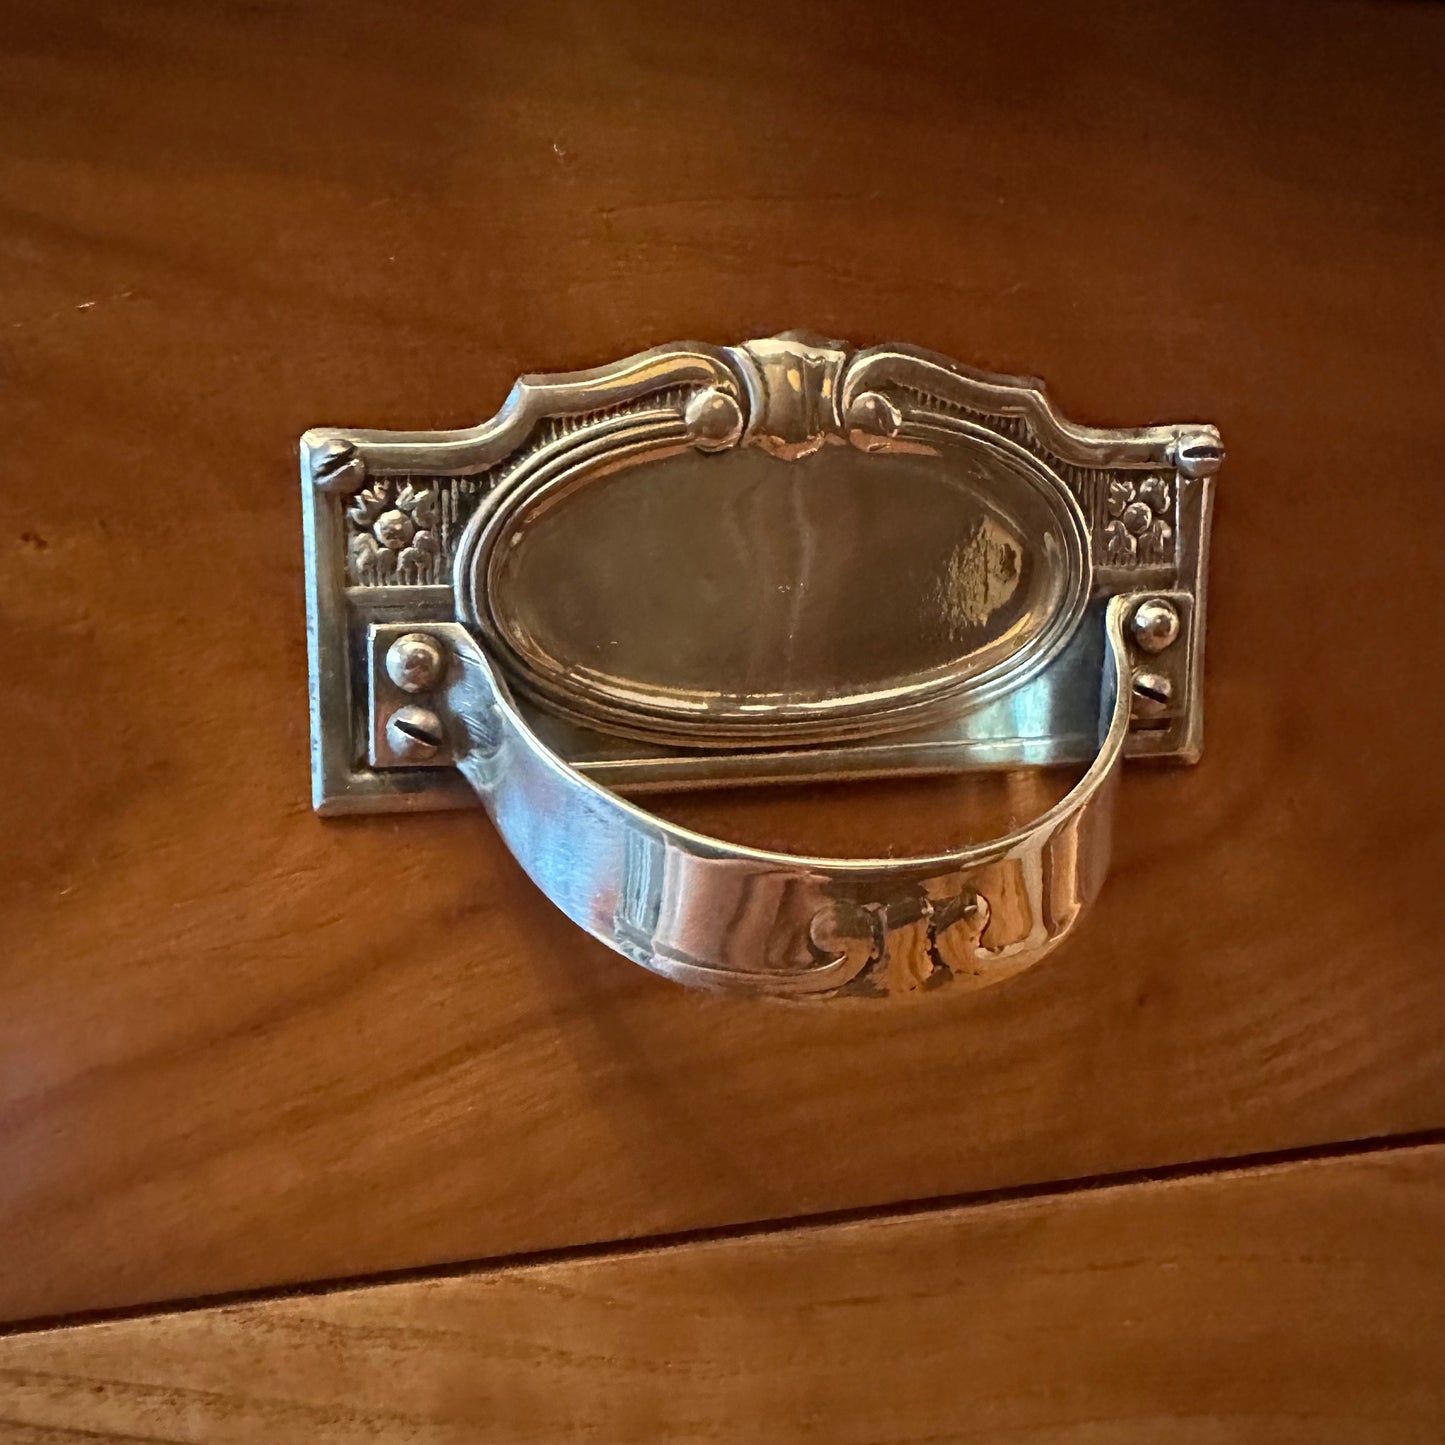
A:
[778,561]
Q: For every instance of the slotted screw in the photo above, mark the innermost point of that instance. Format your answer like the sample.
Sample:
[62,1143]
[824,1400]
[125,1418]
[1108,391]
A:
[1153,693]
[414,734]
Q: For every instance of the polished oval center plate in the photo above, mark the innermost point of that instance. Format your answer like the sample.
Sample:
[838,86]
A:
[736,598]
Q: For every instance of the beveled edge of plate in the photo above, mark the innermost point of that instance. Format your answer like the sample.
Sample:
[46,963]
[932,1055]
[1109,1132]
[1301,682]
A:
[976,677]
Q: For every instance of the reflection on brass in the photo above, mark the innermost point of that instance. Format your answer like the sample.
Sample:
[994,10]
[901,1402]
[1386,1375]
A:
[982,574]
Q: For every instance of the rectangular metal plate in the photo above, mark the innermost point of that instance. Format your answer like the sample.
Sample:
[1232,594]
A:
[385,513]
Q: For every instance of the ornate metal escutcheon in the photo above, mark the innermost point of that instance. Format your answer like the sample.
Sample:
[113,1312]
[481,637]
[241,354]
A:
[780,561]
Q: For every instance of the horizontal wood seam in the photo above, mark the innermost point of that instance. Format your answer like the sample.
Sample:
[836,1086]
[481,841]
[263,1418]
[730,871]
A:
[644,1244]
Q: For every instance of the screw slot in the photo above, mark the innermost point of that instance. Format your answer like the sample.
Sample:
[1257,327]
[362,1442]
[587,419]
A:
[1199,454]
[414,733]
[1153,692]
[421,735]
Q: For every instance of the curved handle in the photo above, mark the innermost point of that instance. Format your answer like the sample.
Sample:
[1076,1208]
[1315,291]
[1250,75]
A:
[720,915]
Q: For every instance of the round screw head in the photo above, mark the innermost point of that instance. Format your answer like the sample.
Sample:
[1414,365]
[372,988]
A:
[1155,624]
[1153,693]
[416,662]
[414,734]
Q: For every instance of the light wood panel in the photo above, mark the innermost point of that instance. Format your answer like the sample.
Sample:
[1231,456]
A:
[239,1046]
[1304,1303]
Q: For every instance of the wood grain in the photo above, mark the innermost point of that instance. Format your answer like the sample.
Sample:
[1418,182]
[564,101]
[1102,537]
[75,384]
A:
[1297,1304]
[240,1046]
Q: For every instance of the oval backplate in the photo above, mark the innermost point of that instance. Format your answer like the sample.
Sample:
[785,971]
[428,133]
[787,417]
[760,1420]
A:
[737,597]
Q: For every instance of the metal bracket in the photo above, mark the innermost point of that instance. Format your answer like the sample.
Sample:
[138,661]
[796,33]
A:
[395,521]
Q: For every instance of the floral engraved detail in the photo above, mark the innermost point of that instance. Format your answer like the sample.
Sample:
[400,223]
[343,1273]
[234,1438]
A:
[394,538]
[1137,532]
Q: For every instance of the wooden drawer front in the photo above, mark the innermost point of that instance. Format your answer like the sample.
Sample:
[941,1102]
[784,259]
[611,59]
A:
[1292,1305]
[240,1046]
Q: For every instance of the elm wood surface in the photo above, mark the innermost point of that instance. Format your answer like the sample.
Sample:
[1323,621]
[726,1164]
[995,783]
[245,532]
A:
[1302,1303]
[239,1046]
